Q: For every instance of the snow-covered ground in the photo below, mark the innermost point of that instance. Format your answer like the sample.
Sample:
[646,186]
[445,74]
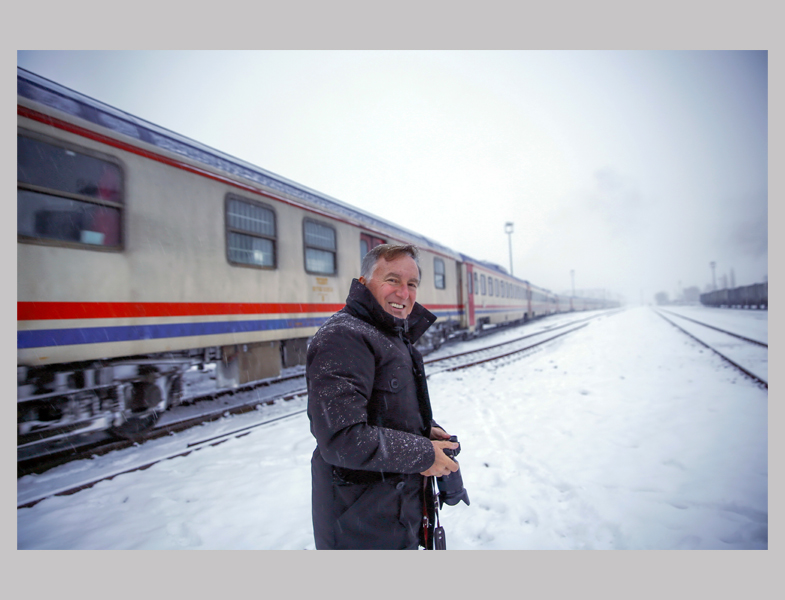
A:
[623,435]
[751,323]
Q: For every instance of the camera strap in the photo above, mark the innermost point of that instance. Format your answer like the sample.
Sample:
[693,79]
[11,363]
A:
[433,533]
[439,539]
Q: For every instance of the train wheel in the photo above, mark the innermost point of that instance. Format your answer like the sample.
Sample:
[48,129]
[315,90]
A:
[142,411]
[135,427]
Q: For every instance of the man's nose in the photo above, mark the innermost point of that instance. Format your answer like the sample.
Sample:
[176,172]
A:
[402,291]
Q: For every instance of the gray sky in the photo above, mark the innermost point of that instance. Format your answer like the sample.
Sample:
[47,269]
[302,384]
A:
[634,169]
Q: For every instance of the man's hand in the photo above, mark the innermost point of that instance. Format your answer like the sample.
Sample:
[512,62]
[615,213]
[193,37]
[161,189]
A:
[443,465]
[437,433]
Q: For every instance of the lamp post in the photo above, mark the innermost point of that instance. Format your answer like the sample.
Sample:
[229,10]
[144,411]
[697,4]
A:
[508,227]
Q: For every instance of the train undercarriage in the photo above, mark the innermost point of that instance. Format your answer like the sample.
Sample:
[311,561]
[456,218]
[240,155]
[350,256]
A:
[123,397]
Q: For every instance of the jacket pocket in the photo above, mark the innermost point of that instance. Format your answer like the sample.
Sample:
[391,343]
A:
[393,381]
[369,517]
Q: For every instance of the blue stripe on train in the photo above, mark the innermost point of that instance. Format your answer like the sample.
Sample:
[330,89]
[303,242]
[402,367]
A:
[444,314]
[131,333]
[488,311]
[40,338]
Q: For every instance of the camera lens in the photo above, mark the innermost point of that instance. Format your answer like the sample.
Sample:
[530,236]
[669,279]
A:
[451,490]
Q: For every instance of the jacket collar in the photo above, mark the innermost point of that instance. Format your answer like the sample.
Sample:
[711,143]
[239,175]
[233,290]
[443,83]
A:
[361,304]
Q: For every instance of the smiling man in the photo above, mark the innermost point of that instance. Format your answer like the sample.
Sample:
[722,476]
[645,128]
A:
[370,413]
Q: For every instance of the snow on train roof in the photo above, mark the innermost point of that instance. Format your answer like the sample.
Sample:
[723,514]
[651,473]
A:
[54,95]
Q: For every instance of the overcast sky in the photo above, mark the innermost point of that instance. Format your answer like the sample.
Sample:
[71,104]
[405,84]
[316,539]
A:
[634,169]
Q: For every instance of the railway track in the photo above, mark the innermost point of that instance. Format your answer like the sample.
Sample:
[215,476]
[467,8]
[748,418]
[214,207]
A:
[515,344]
[747,355]
[455,362]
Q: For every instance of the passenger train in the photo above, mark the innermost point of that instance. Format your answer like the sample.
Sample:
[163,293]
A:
[142,253]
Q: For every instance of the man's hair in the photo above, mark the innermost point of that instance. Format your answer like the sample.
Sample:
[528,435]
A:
[388,252]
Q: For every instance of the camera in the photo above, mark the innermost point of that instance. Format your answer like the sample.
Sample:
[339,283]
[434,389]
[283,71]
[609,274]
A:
[451,490]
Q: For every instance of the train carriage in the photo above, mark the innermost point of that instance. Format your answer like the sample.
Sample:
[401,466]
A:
[749,296]
[543,302]
[141,253]
[493,297]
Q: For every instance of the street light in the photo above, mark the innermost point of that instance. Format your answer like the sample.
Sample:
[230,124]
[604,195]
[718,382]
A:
[508,226]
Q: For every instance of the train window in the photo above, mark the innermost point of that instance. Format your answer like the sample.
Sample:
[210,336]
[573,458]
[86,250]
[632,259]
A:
[320,248]
[438,273]
[482,283]
[250,235]
[469,285]
[67,195]
[476,287]
[368,243]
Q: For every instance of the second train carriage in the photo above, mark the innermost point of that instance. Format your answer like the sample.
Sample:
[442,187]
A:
[141,253]
[749,296]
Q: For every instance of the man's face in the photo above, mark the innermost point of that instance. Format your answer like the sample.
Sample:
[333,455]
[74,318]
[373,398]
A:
[394,284]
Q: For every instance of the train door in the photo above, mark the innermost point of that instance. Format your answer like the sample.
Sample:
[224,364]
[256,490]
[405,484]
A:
[367,242]
[470,294]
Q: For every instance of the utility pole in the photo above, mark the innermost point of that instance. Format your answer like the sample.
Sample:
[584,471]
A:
[713,264]
[508,227]
[572,275]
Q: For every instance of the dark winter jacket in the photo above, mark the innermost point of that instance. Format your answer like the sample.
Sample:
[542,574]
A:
[371,416]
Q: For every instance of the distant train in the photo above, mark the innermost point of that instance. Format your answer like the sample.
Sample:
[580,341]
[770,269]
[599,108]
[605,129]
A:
[142,253]
[750,296]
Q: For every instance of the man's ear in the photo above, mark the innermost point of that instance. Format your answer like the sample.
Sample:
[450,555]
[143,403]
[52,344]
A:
[362,280]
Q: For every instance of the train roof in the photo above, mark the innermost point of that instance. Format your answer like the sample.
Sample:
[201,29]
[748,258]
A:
[487,264]
[47,92]
[499,269]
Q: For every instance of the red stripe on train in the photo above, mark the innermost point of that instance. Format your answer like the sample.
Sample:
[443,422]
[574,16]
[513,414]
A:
[42,311]
[47,311]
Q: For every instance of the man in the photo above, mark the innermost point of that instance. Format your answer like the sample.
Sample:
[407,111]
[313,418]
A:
[370,412]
